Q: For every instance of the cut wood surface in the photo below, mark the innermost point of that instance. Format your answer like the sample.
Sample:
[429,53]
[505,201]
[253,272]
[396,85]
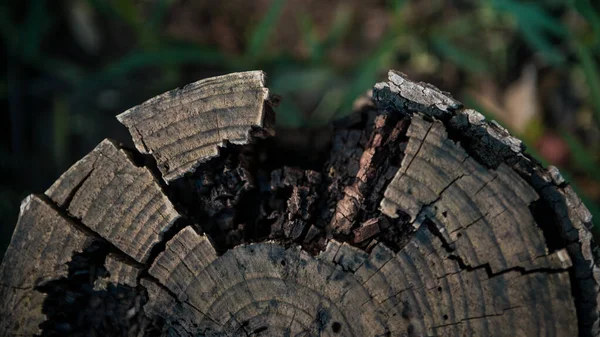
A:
[111,196]
[185,127]
[421,219]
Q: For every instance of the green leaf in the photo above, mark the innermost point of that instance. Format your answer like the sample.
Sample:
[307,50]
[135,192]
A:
[532,15]
[261,33]
[126,10]
[396,6]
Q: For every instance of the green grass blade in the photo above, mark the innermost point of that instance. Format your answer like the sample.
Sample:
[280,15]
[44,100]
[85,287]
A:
[328,106]
[8,29]
[368,73]
[161,7]
[590,71]
[61,130]
[591,15]
[462,58]
[339,27]
[536,26]
[261,33]
[309,36]
[581,157]
[539,42]
[158,58]
[36,24]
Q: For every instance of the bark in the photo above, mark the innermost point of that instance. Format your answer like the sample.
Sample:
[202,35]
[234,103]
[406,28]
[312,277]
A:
[416,217]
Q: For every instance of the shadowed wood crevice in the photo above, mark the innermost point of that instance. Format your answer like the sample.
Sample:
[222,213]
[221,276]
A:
[84,303]
[42,244]
[422,219]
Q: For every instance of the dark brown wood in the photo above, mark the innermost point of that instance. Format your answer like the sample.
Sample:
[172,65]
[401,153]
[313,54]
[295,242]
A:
[421,219]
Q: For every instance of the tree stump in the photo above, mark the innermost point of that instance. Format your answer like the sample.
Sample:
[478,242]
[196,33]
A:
[416,218]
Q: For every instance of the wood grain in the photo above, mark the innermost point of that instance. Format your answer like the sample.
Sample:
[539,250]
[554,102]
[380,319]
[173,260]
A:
[114,198]
[345,291]
[425,220]
[185,127]
[42,244]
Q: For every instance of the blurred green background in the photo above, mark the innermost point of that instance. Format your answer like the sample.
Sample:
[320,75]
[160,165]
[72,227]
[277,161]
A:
[71,66]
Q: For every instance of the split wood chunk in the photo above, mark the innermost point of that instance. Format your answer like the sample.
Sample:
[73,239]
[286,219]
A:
[184,127]
[119,272]
[42,244]
[117,200]
[473,207]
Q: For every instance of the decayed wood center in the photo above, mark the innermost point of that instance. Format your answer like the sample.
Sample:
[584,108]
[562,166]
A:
[417,218]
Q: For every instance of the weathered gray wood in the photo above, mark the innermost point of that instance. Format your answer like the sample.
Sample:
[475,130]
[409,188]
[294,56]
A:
[42,244]
[121,202]
[259,287]
[119,272]
[402,93]
[491,145]
[474,208]
[425,226]
[185,127]
[418,291]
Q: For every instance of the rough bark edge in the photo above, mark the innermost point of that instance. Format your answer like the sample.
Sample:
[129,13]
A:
[491,144]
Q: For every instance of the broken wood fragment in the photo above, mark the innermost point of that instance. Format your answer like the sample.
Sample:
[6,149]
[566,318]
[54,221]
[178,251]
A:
[114,198]
[185,127]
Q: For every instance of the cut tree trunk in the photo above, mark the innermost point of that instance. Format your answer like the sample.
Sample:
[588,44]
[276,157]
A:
[415,217]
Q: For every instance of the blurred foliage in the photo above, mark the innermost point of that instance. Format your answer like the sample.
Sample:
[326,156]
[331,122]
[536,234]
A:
[72,65]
